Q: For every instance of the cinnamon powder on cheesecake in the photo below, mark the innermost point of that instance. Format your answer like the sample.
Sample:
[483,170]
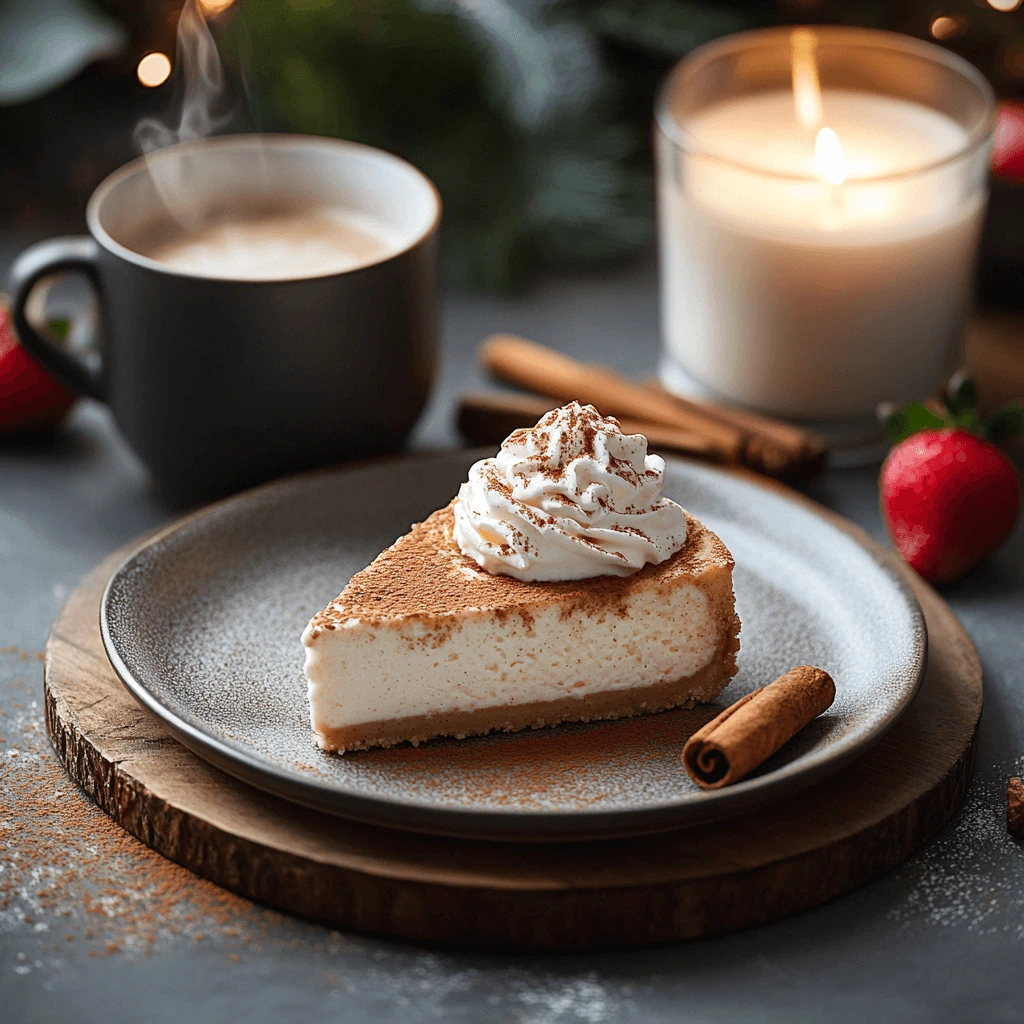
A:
[428,577]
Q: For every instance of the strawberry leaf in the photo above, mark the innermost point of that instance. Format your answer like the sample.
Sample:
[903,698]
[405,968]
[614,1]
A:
[916,416]
[1005,423]
[968,419]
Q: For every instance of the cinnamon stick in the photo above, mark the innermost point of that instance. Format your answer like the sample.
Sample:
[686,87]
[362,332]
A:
[488,418]
[736,436]
[745,735]
[775,447]
[551,373]
[1015,808]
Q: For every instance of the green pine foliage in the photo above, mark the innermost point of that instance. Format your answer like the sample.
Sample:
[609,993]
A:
[509,111]
[532,116]
[666,27]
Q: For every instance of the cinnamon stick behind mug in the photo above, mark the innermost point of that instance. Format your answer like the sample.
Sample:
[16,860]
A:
[745,735]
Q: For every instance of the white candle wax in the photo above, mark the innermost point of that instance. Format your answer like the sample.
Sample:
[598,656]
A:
[807,298]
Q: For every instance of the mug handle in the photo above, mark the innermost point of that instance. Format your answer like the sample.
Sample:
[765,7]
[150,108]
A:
[84,376]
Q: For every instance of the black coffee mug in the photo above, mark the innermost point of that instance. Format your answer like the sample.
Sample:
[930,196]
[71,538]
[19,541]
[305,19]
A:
[219,383]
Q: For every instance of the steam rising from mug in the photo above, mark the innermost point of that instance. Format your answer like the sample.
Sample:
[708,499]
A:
[202,74]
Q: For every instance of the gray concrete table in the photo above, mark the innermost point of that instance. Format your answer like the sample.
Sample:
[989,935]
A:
[93,927]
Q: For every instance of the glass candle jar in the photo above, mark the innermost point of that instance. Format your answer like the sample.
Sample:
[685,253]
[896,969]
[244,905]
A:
[820,197]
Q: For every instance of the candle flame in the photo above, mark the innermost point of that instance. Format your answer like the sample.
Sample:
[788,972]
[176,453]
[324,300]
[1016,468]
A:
[806,86]
[828,157]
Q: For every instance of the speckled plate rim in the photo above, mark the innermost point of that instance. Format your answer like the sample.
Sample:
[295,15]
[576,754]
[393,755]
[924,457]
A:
[515,824]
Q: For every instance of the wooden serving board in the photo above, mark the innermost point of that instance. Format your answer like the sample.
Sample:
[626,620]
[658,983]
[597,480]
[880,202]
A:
[712,878]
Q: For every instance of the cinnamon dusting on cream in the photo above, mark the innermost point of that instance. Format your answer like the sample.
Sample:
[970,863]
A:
[571,498]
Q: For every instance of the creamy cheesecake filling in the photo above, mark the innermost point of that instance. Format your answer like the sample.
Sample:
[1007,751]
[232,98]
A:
[364,672]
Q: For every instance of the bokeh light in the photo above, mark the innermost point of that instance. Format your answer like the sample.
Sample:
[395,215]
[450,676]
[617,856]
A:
[154,69]
[211,8]
[946,27]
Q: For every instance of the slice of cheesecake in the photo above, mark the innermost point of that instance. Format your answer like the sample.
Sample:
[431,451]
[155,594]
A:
[425,643]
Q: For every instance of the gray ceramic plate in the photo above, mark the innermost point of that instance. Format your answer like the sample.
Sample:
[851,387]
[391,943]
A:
[202,624]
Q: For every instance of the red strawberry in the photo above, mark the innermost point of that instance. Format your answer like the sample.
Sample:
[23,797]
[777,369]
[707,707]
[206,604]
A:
[1008,148]
[949,494]
[30,399]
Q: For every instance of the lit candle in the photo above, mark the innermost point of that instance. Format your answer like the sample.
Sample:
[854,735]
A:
[818,239]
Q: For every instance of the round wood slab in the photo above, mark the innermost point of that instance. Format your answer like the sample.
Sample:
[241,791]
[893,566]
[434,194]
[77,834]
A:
[711,878]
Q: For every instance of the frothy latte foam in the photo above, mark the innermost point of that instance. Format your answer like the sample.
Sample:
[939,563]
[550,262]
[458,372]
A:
[270,246]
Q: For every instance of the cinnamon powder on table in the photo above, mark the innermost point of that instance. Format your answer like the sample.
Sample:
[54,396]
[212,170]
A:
[74,878]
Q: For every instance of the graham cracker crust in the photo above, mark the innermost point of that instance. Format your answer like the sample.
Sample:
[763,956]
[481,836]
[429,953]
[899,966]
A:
[704,685]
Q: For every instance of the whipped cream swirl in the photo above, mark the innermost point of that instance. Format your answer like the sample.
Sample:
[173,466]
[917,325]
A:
[570,498]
